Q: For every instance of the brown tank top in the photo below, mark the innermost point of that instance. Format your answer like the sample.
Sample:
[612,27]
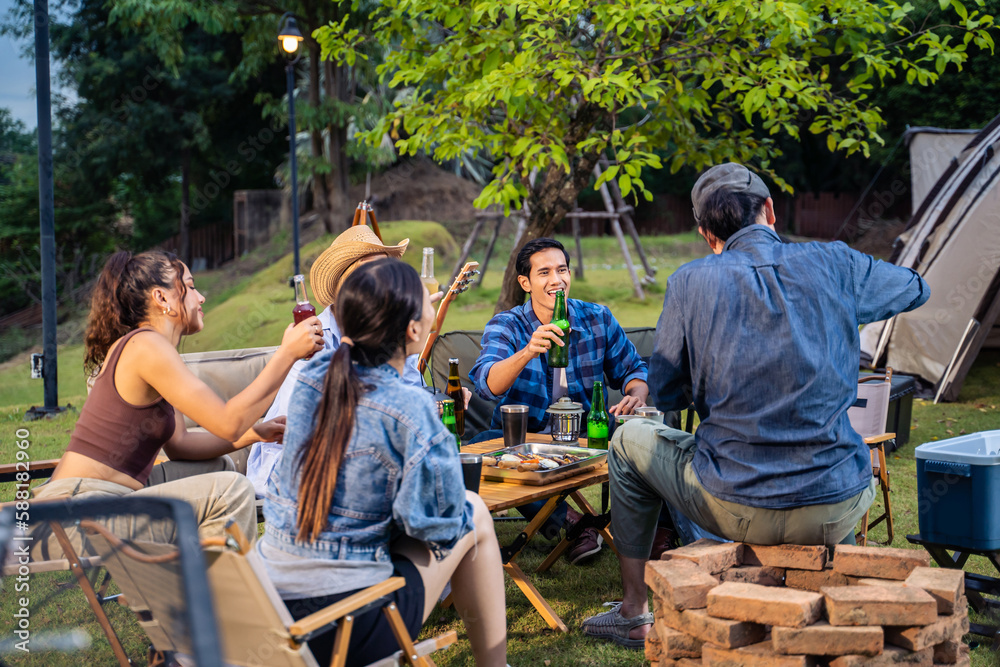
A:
[120,435]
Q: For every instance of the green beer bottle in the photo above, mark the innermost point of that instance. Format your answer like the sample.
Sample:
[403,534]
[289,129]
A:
[448,417]
[597,420]
[558,357]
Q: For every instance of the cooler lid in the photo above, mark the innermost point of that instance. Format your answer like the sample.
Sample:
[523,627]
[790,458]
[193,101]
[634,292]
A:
[975,448]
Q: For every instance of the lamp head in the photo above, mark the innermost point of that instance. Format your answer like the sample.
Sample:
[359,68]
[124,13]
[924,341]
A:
[289,35]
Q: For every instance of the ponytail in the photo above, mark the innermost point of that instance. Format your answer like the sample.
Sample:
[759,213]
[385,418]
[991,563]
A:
[120,301]
[319,461]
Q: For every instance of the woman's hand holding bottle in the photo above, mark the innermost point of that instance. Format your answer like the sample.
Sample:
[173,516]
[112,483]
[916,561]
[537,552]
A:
[303,339]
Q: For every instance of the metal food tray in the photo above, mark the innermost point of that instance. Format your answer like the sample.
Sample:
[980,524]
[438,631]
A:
[539,477]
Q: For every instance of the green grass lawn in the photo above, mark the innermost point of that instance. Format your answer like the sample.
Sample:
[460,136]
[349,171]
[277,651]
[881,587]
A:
[248,307]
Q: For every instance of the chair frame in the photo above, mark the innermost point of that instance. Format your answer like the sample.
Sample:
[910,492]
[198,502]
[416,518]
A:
[880,470]
[204,633]
[340,614]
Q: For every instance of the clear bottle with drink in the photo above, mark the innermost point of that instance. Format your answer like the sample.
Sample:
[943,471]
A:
[303,310]
[597,419]
[454,390]
[448,417]
[558,357]
[427,272]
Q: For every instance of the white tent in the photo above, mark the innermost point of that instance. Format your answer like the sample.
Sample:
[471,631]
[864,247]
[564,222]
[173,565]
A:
[931,151]
[953,241]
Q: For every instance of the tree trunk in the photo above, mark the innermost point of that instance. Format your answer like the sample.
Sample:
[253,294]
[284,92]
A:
[338,181]
[321,193]
[337,89]
[548,204]
[185,231]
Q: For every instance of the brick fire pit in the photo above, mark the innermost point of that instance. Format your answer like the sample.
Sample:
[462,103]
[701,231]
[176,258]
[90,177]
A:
[744,605]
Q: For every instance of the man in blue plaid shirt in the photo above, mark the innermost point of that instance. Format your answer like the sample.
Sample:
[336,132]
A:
[511,368]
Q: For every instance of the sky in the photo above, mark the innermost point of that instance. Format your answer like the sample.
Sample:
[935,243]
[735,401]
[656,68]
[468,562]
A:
[17,77]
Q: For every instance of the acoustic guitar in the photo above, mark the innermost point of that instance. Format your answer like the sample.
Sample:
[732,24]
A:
[461,284]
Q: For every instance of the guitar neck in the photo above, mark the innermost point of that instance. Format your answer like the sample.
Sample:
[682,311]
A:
[460,284]
[425,354]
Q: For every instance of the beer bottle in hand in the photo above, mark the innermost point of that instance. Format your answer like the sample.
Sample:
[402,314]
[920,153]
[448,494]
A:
[454,390]
[597,419]
[448,417]
[427,272]
[558,357]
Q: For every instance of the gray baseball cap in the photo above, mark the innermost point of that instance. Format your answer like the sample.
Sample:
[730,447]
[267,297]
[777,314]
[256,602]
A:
[728,176]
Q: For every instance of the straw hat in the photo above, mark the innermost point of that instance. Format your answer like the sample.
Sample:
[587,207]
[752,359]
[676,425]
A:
[337,261]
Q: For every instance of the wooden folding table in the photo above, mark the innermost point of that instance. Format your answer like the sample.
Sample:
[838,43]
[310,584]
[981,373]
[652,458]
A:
[505,495]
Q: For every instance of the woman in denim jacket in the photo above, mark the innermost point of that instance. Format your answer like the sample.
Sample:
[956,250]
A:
[369,485]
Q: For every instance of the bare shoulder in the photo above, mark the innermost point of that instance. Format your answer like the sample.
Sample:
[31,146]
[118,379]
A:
[150,349]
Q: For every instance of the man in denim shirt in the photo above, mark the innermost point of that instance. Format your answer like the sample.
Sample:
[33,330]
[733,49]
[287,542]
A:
[511,368]
[763,337]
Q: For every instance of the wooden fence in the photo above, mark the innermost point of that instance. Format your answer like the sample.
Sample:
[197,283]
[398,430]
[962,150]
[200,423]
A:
[24,318]
[213,243]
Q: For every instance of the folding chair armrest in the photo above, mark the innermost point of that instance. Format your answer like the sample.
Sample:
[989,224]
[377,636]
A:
[876,439]
[37,470]
[338,610]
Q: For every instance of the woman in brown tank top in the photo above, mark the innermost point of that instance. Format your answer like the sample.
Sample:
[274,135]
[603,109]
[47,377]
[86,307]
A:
[141,307]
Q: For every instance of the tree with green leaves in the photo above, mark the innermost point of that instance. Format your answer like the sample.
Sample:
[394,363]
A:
[14,137]
[549,88]
[331,91]
[142,152]
[82,234]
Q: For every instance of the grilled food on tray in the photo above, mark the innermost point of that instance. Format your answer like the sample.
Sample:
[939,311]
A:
[529,462]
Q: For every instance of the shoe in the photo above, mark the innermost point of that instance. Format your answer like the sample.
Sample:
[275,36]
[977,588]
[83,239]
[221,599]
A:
[587,545]
[663,540]
[612,626]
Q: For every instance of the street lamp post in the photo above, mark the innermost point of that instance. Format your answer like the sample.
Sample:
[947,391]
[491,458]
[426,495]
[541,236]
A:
[46,214]
[290,37]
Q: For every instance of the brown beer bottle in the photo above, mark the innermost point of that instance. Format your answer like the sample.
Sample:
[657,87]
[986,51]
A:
[454,391]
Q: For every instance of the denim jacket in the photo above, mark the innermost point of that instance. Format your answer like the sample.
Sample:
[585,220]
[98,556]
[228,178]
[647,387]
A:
[399,474]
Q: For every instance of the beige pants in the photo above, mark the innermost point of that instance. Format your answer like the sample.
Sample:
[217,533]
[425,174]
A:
[216,498]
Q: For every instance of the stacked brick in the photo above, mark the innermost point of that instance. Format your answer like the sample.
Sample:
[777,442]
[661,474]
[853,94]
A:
[742,605]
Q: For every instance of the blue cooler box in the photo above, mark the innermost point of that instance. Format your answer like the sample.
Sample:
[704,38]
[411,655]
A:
[958,491]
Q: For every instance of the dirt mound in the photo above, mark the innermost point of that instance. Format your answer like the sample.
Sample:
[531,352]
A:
[418,189]
[877,239]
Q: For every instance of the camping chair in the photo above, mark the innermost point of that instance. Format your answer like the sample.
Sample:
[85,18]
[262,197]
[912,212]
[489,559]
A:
[867,417]
[255,625]
[193,609]
[466,346]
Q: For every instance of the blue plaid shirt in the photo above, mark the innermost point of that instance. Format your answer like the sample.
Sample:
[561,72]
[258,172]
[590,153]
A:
[598,348]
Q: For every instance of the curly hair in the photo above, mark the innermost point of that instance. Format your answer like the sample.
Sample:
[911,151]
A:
[120,301]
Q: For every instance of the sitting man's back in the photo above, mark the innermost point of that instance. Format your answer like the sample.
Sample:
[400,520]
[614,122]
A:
[763,337]
[765,334]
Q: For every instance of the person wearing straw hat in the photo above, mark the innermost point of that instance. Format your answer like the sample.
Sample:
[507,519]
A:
[351,249]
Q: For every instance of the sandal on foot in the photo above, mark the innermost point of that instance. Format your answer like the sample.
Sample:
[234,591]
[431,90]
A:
[611,625]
